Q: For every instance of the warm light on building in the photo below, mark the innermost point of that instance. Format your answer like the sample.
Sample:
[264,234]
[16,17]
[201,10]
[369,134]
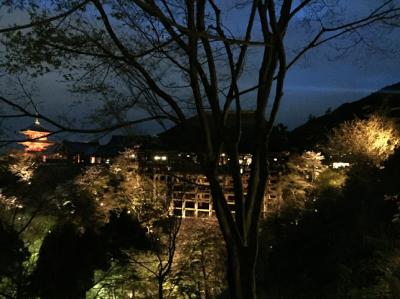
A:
[247,159]
[36,137]
[160,158]
[336,165]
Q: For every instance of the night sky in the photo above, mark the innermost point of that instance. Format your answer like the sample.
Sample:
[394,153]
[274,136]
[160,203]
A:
[316,83]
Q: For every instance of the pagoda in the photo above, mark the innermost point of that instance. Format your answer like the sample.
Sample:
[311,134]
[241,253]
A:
[36,138]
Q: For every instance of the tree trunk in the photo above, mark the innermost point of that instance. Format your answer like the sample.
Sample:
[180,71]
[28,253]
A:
[241,272]
[242,250]
[160,288]
[204,273]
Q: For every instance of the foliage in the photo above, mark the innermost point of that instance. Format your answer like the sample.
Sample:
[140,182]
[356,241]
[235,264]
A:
[390,179]
[200,267]
[9,202]
[117,187]
[119,281]
[98,195]
[85,248]
[297,181]
[6,175]
[147,196]
[331,179]
[154,268]
[22,165]
[70,255]
[66,263]
[13,254]
[346,247]
[122,232]
[373,139]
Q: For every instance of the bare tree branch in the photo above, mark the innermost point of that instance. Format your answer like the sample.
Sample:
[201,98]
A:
[63,128]
[46,20]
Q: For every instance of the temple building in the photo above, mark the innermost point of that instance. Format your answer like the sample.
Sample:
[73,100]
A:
[170,158]
[36,140]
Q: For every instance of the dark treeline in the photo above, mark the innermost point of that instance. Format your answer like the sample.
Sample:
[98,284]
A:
[345,245]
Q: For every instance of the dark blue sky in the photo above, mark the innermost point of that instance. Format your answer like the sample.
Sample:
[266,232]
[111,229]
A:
[316,83]
[329,76]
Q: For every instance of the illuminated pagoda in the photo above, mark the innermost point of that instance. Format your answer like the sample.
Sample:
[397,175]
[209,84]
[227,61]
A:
[36,138]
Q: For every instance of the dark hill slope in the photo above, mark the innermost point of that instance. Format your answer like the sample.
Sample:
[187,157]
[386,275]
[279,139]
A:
[315,131]
[188,136]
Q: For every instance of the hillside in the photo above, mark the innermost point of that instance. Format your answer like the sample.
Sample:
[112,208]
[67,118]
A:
[188,136]
[315,131]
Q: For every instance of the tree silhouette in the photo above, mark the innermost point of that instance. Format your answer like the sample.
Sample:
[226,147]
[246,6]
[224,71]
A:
[152,45]
[69,255]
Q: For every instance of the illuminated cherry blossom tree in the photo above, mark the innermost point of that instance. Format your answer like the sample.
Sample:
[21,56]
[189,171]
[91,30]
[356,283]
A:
[372,139]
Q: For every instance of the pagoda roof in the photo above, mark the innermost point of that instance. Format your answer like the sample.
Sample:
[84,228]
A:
[37,127]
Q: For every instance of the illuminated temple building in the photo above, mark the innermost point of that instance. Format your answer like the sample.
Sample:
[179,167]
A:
[36,140]
[170,157]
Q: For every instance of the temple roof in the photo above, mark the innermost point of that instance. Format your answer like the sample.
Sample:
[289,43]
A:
[188,136]
[119,143]
[83,148]
[37,127]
